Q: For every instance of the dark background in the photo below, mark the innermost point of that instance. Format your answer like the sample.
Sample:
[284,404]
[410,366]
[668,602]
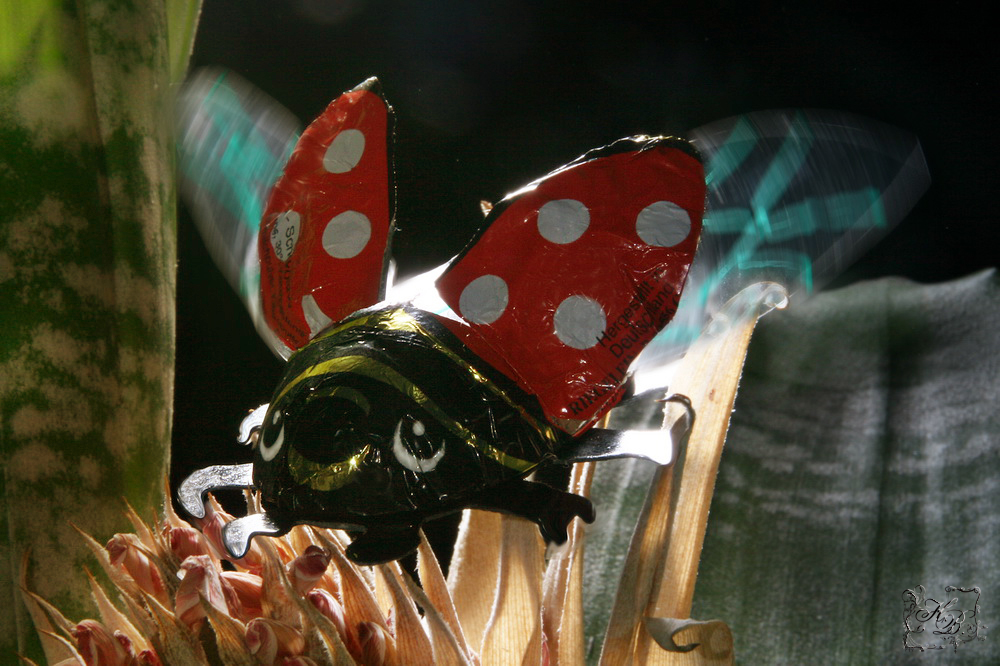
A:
[489,95]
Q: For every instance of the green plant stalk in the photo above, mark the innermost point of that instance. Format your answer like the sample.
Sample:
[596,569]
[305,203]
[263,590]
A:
[87,282]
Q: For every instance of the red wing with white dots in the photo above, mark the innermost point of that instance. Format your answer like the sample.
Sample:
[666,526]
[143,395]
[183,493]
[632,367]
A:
[325,232]
[572,275]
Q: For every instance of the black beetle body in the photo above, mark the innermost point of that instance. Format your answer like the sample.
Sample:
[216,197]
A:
[386,420]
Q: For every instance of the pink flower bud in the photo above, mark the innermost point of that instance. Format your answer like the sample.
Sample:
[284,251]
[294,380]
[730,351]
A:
[199,579]
[187,541]
[126,643]
[269,639]
[126,551]
[306,569]
[149,658]
[328,605]
[97,645]
[374,642]
[243,594]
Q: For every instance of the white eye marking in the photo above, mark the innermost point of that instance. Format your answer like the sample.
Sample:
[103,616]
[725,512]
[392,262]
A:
[418,428]
[276,418]
[268,452]
[410,461]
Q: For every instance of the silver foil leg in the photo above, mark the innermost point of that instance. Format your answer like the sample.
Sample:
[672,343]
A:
[238,533]
[192,490]
[253,421]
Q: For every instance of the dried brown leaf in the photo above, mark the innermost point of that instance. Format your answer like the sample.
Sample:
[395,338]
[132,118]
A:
[276,590]
[436,588]
[140,617]
[66,646]
[472,575]
[47,619]
[172,640]
[562,600]
[170,516]
[50,619]
[448,649]
[383,597]
[114,619]
[229,633]
[413,646]
[117,575]
[662,563]
[514,632]
[142,529]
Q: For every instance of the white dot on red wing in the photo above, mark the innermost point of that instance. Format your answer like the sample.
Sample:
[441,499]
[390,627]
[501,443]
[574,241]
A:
[563,220]
[483,300]
[663,224]
[579,322]
[346,235]
[285,234]
[345,151]
[315,318]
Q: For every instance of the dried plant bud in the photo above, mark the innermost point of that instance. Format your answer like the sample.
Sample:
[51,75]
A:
[98,646]
[211,526]
[149,658]
[199,579]
[374,644]
[332,609]
[126,551]
[243,594]
[187,541]
[269,640]
[126,644]
[306,569]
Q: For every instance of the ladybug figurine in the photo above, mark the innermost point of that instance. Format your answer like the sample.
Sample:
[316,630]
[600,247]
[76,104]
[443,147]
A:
[387,414]
[394,411]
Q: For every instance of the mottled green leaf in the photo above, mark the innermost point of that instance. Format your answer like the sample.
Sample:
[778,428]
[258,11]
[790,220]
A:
[87,258]
[862,461]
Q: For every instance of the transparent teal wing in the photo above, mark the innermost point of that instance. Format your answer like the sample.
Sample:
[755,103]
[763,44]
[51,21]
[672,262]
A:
[794,197]
[233,142]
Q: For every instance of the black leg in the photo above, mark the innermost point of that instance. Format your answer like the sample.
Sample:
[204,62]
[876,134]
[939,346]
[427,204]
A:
[551,509]
[384,543]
